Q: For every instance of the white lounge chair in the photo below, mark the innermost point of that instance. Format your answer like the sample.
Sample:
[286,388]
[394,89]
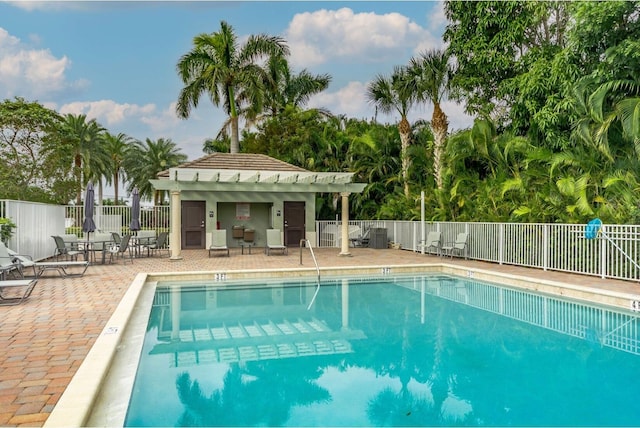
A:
[9,264]
[21,288]
[274,242]
[40,268]
[434,240]
[458,247]
[219,241]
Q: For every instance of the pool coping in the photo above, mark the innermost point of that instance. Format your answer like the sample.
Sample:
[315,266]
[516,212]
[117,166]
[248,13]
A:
[118,338]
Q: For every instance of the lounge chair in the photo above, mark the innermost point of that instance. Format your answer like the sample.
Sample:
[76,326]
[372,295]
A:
[9,264]
[26,286]
[433,241]
[160,244]
[219,241]
[121,249]
[363,240]
[40,268]
[274,242]
[458,247]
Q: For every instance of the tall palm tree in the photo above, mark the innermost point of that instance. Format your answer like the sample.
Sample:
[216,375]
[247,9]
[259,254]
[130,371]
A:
[395,94]
[431,74]
[282,87]
[145,160]
[83,140]
[116,147]
[227,72]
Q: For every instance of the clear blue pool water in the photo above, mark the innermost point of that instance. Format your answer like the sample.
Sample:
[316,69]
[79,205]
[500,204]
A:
[428,350]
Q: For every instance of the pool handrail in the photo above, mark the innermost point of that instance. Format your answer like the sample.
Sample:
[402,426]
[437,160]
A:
[313,256]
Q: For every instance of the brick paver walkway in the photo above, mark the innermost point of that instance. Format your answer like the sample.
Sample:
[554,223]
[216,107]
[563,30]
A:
[45,339]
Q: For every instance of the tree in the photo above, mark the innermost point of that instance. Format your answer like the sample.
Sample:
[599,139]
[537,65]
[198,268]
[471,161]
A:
[82,142]
[284,88]
[227,72]
[494,41]
[145,160]
[431,74]
[30,168]
[116,147]
[396,93]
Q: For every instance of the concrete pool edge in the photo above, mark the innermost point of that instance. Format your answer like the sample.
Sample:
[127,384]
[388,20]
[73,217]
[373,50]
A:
[76,405]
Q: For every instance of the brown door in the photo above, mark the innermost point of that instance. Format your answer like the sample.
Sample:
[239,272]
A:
[193,230]
[293,223]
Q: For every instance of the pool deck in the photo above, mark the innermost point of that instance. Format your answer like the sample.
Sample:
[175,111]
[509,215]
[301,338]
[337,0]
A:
[46,338]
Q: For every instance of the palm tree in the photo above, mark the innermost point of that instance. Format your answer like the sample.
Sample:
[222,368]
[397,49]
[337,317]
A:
[83,141]
[431,74]
[227,72]
[145,160]
[283,88]
[396,94]
[116,147]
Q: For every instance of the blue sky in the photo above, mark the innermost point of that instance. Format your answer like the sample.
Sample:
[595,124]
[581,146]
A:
[115,61]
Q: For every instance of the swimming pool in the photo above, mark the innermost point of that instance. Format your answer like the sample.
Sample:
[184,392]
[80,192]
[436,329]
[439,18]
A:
[392,350]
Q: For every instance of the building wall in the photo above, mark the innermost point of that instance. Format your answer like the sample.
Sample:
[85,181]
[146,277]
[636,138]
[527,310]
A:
[266,211]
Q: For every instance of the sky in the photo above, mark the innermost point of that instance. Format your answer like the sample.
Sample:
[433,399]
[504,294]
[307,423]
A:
[115,61]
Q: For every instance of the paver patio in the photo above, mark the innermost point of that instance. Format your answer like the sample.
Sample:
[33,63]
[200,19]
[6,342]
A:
[46,338]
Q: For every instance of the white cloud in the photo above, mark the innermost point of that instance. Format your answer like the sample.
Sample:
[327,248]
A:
[349,100]
[324,35]
[167,119]
[30,5]
[32,73]
[108,112]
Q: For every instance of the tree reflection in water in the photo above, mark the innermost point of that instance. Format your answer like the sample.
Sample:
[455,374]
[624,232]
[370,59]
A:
[250,396]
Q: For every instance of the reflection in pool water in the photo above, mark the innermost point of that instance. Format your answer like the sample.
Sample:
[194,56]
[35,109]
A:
[408,350]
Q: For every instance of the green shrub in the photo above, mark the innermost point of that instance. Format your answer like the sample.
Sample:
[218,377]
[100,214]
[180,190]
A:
[6,229]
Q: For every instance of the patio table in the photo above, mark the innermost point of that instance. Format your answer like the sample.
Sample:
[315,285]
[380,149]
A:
[101,245]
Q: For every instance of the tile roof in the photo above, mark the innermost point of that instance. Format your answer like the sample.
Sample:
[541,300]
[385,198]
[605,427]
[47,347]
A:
[238,161]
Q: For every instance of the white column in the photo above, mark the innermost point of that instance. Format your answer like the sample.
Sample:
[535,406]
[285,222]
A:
[175,244]
[345,224]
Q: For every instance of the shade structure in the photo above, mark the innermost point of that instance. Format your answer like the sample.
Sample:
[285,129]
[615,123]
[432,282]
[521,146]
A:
[88,225]
[135,210]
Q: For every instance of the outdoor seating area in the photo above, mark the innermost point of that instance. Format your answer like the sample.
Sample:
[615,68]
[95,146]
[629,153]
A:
[98,245]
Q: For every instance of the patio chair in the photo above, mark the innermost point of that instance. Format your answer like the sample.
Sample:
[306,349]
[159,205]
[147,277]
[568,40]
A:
[21,288]
[160,244]
[274,242]
[116,238]
[144,239]
[458,247]
[434,240]
[9,264]
[121,249]
[219,241]
[63,250]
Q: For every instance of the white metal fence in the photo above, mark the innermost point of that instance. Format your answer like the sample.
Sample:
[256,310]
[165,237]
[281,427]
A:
[560,247]
[117,218]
